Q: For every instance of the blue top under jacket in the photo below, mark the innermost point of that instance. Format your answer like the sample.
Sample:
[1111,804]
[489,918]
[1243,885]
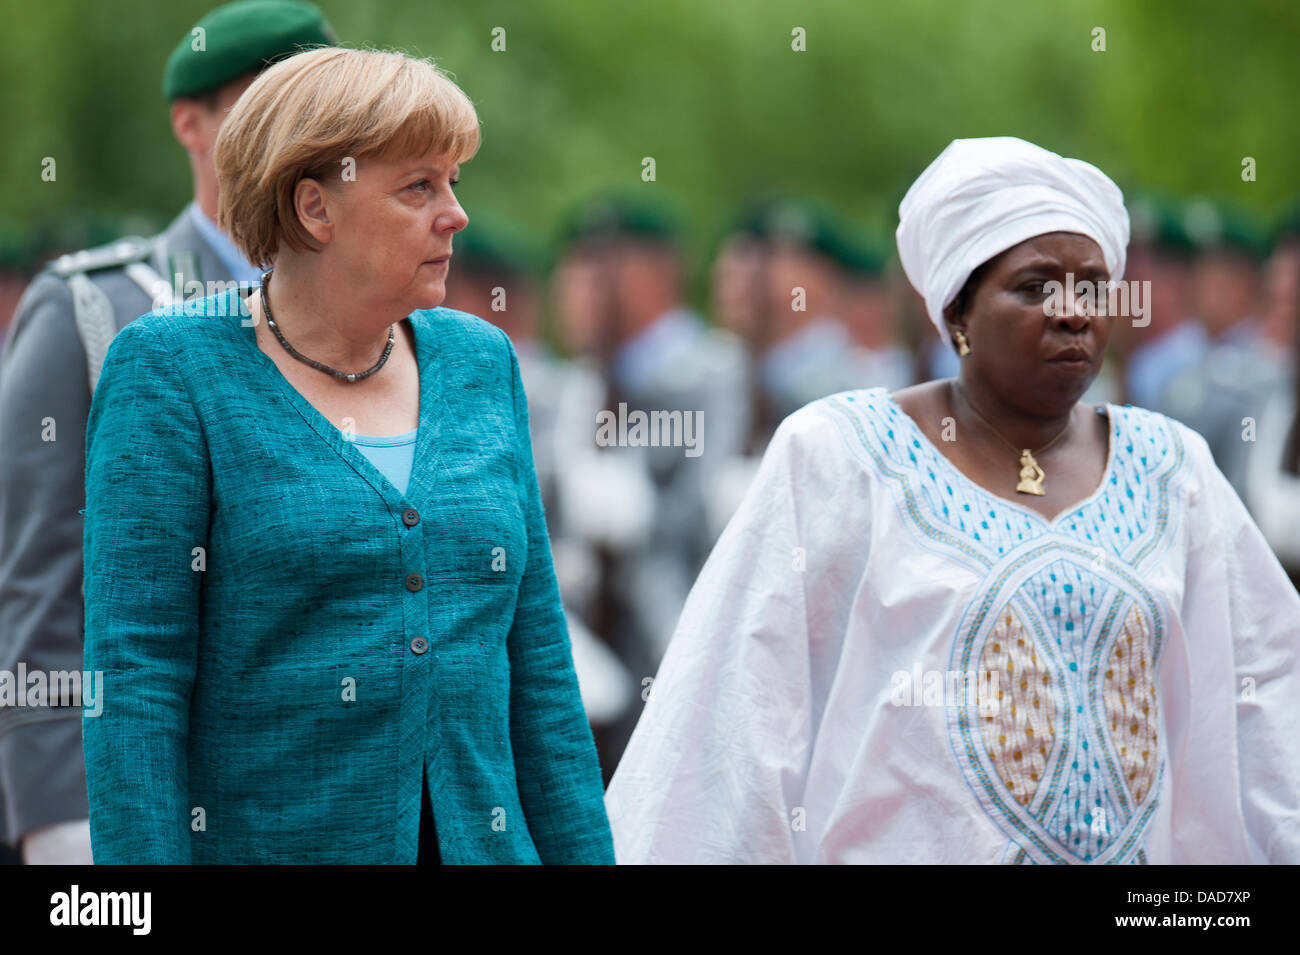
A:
[289,644]
[393,454]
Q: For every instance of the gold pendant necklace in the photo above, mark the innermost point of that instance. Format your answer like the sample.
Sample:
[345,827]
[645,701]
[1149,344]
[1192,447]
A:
[1031,474]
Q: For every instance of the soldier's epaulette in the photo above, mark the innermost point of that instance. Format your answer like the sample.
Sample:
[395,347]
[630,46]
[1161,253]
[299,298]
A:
[116,254]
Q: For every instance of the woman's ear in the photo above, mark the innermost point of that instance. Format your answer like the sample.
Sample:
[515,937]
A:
[954,322]
[311,202]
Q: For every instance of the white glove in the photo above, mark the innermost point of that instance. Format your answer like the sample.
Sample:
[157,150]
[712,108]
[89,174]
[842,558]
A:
[64,843]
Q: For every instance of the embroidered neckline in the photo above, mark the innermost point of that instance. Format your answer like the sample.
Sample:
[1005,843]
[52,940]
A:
[1074,510]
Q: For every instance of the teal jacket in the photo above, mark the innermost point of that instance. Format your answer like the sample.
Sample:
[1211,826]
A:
[289,646]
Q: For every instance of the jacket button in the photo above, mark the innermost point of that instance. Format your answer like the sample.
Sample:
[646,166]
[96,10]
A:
[419,645]
[410,517]
[414,582]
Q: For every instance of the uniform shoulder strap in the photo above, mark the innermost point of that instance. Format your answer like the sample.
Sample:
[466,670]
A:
[96,326]
[124,251]
[92,308]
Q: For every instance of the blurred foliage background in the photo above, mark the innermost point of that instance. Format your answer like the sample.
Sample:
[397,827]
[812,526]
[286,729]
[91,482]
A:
[712,90]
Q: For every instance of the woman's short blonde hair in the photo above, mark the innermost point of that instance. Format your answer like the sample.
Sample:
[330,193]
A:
[308,114]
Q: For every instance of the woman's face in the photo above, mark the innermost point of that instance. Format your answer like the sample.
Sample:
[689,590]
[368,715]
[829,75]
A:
[392,229]
[1024,350]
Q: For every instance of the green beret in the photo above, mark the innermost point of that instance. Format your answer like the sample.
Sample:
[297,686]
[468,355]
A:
[620,216]
[812,226]
[241,38]
[1157,220]
[486,246]
[1225,226]
[861,255]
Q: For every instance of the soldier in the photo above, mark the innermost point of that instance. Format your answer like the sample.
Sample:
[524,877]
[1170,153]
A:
[868,309]
[1273,459]
[801,347]
[632,515]
[1281,312]
[780,280]
[1160,252]
[493,279]
[1223,392]
[56,344]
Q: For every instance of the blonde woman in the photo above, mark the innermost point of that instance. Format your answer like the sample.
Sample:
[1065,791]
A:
[318,581]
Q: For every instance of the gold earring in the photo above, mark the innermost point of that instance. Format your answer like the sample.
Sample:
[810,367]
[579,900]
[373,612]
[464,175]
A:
[963,346]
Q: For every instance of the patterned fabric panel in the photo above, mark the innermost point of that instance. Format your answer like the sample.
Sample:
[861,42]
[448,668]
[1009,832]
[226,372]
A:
[1068,761]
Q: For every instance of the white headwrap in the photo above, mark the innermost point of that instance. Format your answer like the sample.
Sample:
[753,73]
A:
[982,196]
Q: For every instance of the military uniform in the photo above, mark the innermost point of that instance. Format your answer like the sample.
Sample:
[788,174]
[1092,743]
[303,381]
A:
[787,371]
[650,504]
[55,347]
[628,531]
[1234,373]
[488,257]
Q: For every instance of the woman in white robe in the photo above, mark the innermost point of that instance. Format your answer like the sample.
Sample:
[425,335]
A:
[884,661]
